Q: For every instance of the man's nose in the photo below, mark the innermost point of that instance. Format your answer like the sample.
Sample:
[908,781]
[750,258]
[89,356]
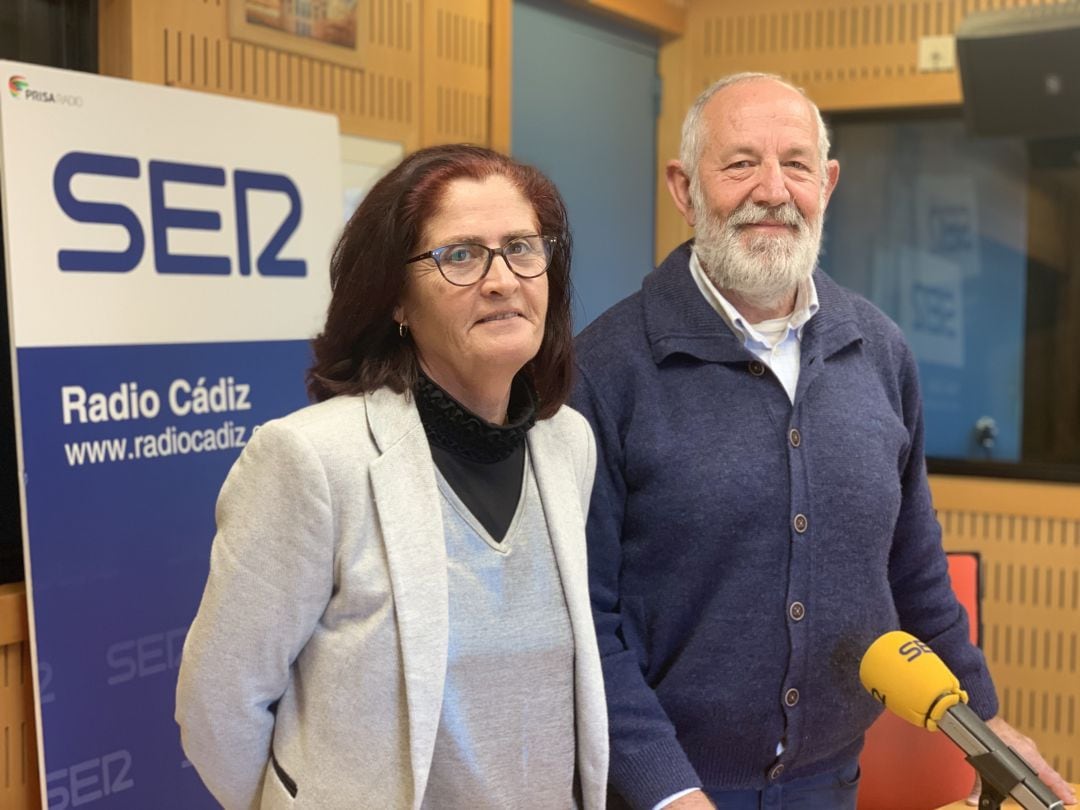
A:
[771,188]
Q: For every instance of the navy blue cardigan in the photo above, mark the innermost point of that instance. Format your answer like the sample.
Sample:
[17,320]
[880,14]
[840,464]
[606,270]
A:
[741,547]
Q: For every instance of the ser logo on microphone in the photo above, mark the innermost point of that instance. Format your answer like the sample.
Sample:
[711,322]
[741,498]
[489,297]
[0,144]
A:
[913,649]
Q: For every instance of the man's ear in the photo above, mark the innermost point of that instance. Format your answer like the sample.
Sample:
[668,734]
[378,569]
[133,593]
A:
[678,183]
[832,175]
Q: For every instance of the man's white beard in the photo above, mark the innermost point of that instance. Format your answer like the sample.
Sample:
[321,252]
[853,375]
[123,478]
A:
[765,269]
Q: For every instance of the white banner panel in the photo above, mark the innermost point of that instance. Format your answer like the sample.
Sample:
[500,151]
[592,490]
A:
[166,263]
[129,204]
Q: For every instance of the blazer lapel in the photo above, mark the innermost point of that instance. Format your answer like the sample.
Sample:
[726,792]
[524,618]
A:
[410,517]
[561,500]
[558,486]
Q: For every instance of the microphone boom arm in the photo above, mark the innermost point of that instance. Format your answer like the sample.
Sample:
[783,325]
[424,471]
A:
[1003,772]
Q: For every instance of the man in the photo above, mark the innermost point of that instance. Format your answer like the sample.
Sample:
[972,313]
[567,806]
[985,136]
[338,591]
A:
[761,511]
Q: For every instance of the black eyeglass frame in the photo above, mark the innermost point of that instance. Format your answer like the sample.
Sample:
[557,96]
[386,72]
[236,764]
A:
[436,255]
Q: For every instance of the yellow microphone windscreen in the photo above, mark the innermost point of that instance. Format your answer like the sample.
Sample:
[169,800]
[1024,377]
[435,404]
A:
[909,679]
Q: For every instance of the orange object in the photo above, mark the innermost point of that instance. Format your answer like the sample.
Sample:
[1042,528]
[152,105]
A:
[908,768]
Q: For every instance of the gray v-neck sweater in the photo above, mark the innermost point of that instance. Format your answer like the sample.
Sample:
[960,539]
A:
[506,734]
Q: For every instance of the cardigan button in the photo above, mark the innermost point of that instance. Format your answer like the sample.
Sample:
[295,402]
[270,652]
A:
[800,523]
[794,437]
[757,368]
[775,771]
[796,611]
[791,697]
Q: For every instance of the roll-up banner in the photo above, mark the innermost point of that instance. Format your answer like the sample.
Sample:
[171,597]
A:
[166,264]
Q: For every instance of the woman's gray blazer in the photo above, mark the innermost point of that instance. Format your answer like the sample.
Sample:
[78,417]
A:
[322,633]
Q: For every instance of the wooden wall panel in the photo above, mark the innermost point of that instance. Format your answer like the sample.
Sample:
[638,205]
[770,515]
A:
[429,71]
[19,788]
[672,64]
[187,44]
[456,71]
[388,103]
[502,57]
[666,18]
[1028,535]
[847,54]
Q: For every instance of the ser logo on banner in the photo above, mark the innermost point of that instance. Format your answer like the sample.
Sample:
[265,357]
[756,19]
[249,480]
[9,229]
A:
[163,217]
[144,656]
[90,780]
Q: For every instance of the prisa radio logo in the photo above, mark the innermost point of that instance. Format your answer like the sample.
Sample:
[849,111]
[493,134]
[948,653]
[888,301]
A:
[16,84]
[19,87]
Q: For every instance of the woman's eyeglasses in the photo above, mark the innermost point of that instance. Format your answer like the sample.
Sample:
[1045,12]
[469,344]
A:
[467,263]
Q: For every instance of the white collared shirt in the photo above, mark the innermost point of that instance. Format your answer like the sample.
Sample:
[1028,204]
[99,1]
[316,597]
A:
[776,343]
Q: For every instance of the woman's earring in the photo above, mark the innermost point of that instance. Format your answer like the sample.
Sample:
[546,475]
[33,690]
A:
[402,330]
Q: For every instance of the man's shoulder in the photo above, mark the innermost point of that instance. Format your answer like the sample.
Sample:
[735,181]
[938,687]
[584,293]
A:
[621,335]
[617,333]
[875,326]
[883,343]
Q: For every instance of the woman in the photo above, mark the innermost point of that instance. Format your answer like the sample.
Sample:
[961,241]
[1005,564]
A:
[397,611]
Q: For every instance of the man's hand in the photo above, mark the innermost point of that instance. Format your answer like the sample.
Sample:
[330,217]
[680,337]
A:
[1026,748]
[691,801]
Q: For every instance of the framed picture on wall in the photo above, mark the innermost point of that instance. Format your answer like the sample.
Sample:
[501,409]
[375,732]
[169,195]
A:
[321,29]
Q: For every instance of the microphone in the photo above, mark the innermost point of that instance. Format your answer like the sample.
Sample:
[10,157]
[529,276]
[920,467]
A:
[908,678]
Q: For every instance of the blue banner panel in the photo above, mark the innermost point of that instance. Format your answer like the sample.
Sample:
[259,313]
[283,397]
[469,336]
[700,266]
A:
[125,448]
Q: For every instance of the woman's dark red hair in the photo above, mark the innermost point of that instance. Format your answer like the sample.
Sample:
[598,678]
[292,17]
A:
[359,349]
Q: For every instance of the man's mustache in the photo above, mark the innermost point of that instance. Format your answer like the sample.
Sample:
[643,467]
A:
[751,214]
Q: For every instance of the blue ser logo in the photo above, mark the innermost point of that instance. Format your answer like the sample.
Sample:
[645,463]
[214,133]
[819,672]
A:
[913,649]
[163,217]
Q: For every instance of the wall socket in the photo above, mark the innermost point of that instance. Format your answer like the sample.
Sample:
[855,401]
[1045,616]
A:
[937,54]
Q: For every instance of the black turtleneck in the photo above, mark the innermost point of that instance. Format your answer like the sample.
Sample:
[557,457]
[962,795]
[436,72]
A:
[482,462]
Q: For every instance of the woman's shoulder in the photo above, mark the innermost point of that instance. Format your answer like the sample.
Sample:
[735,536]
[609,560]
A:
[566,426]
[327,412]
[329,427]
[566,418]
[330,414]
